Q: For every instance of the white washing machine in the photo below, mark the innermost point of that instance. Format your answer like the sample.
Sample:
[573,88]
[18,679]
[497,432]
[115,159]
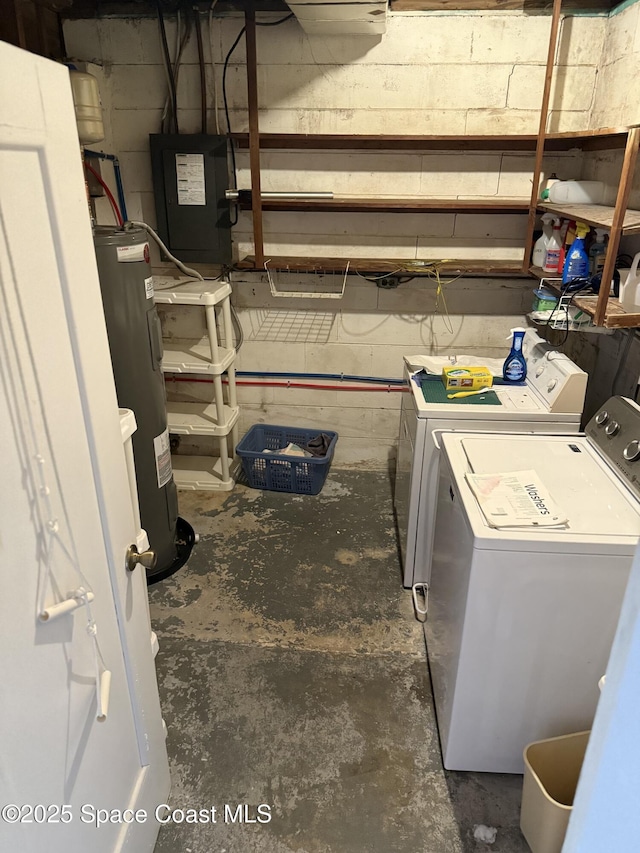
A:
[551,402]
[521,620]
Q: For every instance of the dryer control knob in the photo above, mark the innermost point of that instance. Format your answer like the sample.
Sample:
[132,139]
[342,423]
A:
[540,371]
[612,428]
[552,384]
[602,417]
[632,451]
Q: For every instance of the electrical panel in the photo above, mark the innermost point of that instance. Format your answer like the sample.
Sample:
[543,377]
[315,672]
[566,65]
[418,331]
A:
[189,181]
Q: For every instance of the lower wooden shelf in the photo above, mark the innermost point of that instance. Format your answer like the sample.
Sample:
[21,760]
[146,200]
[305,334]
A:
[511,269]
[615,317]
[353,204]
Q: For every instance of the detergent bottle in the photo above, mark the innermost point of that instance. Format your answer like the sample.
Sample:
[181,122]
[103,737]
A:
[576,264]
[514,368]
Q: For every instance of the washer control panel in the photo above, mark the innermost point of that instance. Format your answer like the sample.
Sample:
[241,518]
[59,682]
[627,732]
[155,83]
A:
[556,379]
[615,430]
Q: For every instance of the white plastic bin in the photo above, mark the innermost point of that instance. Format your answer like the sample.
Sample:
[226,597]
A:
[551,771]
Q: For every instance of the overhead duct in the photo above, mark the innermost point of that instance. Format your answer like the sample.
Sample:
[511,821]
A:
[341,17]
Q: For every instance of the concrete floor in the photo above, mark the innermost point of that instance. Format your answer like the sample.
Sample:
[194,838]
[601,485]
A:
[293,674]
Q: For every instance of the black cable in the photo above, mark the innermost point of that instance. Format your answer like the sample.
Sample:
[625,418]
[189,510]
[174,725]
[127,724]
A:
[567,320]
[226,101]
[203,78]
[224,88]
[573,288]
[275,23]
[228,120]
[167,62]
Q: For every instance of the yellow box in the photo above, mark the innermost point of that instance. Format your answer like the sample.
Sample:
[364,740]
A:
[466,378]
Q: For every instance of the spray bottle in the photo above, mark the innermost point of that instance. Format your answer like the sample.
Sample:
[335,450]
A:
[576,264]
[540,248]
[597,253]
[514,368]
[554,247]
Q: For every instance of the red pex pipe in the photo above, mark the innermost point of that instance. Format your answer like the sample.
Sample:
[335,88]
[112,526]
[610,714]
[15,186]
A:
[113,202]
[308,385]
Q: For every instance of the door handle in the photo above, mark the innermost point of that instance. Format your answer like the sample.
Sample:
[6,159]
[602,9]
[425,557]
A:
[147,559]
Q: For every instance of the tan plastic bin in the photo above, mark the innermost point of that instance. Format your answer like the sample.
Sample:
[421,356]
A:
[551,771]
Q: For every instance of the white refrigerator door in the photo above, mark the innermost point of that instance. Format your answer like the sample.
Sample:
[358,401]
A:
[69,739]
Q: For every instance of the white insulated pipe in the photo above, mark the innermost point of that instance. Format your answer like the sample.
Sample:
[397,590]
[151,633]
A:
[234,195]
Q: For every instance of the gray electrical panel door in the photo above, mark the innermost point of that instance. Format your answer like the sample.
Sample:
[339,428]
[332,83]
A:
[190,177]
[135,344]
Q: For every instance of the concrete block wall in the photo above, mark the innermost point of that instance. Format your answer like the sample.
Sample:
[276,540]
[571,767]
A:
[431,73]
[617,95]
[366,333]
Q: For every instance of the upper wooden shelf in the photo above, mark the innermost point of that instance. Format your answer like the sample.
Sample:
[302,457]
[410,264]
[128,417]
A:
[527,6]
[588,140]
[598,215]
[346,204]
[410,267]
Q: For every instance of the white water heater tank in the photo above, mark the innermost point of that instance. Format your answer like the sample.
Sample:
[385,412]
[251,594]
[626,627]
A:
[86,99]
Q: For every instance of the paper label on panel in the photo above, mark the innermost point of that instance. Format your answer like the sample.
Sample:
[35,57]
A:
[190,179]
[148,287]
[162,451]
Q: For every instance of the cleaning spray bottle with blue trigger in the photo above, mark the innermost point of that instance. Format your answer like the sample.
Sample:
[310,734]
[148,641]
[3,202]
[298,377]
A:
[514,368]
[576,264]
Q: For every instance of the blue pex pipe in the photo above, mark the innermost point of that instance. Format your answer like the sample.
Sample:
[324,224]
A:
[120,188]
[346,377]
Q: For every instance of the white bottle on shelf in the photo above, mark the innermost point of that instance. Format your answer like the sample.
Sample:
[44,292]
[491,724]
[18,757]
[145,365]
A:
[540,249]
[630,288]
[576,192]
[554,249]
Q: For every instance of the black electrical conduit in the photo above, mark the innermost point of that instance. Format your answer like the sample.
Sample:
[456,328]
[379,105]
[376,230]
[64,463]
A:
[168,67]
[203,79]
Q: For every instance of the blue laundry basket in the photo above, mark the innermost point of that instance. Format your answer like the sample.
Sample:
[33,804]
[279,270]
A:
[296,474]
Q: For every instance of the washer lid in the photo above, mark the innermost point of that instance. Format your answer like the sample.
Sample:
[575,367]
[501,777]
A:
[601,510]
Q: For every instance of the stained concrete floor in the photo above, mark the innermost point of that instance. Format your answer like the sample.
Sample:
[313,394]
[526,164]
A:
[293,674]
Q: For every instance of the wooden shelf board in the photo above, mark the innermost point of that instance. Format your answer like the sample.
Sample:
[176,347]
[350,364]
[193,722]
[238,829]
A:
[538,272]
[598,215]
[527,6]
[511,269]
[588,139]
[394,205]
[615,318]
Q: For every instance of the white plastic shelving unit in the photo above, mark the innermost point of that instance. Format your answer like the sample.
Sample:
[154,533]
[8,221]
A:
[216,418]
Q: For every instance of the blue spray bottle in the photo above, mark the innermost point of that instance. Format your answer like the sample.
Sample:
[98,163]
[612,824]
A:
[514,368]
[576,264]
